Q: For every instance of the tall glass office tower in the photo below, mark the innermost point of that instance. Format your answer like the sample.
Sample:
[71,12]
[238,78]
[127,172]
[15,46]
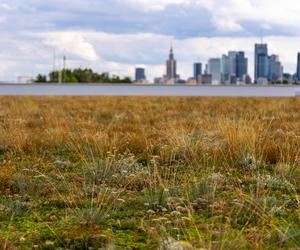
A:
[261,61]
[241,65]
[197,71]
[235,64]
[225,68]
[214,68]
[275,69]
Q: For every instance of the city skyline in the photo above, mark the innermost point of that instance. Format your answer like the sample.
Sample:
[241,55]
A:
[230,68]
[117,36]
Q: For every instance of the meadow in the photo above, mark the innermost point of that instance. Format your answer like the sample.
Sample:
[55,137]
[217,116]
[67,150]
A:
[149,173]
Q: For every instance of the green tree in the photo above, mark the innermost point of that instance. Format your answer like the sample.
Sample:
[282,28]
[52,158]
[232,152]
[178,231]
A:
[54,76]
[285,82]
[68,76]
[83,76]
[41,78]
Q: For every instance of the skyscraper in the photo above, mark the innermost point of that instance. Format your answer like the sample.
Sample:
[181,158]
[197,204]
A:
[275,69]
[234,66]
[298,67]
[261,61]
[197,71]
[140,74]
[214,68]
[171,74]
[232,62]
[241,65]
[225,69]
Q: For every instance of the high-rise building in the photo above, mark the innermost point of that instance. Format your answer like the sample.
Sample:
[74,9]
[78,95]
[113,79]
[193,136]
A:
[232,62]
[206,69]
[298,67]
[197,71]
[234,66]
[171,76]
[140,74]
[275,69]
[214,69]
[261,62]
[241,65]
[225,69]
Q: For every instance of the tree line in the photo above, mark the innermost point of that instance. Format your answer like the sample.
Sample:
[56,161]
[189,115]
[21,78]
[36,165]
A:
[80,76]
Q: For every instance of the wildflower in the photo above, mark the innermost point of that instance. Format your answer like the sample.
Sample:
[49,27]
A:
[150,211]
[182,209]
[49,243]
[163,219]
[216,177]
[164,210]
[175,213]
[279,131]
[156,220]
[248,162]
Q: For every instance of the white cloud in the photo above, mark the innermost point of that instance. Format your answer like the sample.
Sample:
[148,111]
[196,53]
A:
[2,19]
[156,5]
[120,54]
[71,42]
[7,67]
[5,6]
[266,12]
[227,25]
[228,15]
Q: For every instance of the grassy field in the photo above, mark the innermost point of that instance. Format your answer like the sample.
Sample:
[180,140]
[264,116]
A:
[149,173]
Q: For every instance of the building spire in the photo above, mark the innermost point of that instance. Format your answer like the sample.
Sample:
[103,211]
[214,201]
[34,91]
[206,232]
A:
[171,66]
[261,36]
[171,55]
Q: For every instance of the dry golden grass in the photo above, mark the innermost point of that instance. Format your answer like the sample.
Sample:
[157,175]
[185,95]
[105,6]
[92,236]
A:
[135,171]
[267,128]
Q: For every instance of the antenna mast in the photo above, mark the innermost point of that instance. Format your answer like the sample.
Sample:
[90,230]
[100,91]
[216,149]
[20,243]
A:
[54,59]
[64,69]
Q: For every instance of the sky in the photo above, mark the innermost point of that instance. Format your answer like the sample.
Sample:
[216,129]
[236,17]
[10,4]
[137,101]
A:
[118,35]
